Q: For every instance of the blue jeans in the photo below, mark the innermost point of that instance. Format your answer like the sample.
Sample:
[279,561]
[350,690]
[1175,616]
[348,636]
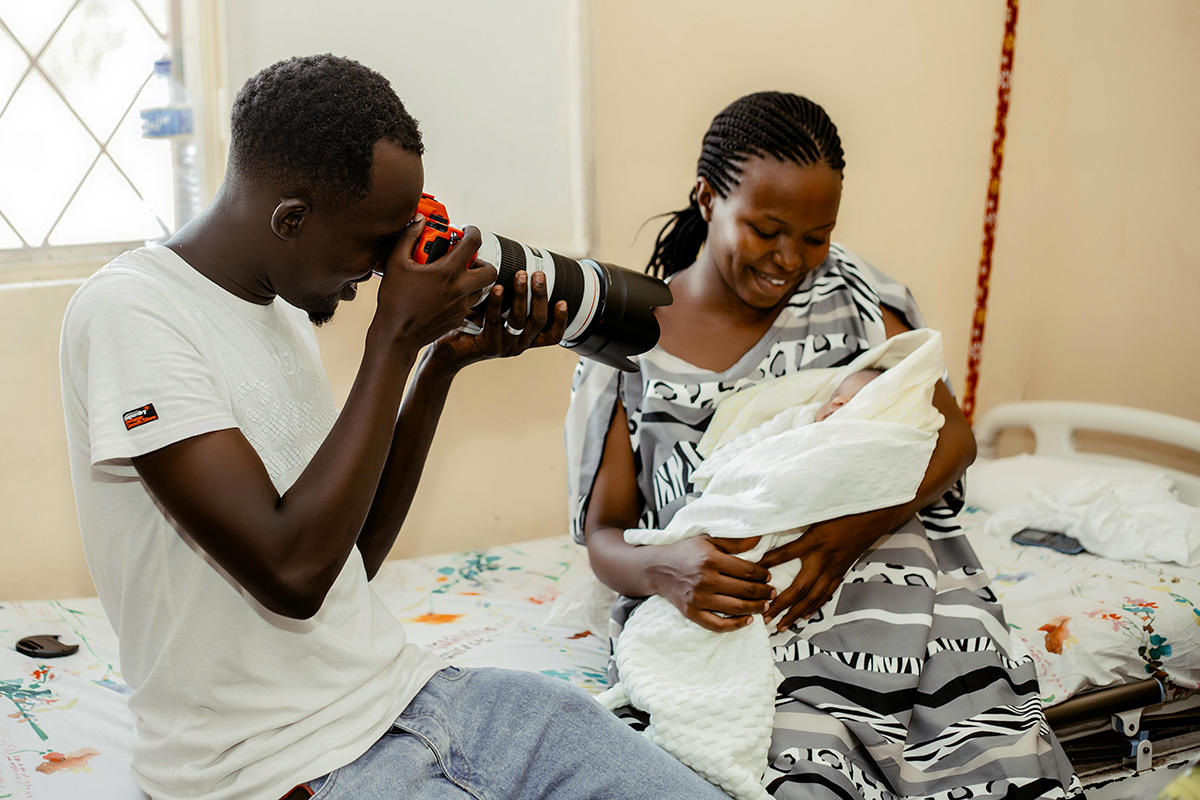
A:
[498,734]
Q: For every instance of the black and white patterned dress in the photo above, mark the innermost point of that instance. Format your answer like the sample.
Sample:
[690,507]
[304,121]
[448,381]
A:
[906,684]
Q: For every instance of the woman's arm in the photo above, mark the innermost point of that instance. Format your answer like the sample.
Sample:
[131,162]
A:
[702,578]
[828,549]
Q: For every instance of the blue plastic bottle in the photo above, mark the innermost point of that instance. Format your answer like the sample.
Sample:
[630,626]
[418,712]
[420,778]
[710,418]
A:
[170,118]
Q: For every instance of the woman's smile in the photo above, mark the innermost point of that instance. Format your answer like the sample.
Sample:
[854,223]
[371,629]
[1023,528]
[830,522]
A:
[768,284]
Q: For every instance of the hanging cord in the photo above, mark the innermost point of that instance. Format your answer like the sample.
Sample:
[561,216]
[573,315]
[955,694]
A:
[989,218]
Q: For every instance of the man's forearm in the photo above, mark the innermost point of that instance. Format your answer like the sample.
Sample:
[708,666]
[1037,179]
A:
[413,435]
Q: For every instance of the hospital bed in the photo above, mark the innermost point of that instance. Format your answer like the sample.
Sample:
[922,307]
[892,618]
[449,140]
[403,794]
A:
[1118,678]
[1121,687]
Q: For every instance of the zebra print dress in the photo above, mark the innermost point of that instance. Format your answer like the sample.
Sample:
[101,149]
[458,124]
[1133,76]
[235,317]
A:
[906,684]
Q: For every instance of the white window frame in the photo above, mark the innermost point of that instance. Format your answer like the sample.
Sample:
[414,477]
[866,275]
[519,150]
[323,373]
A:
[197,38]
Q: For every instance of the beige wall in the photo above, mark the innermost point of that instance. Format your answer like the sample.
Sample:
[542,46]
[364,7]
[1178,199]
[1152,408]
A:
[40,553]
[911,87]
[1096,288]
[1096,280]
[1095,263]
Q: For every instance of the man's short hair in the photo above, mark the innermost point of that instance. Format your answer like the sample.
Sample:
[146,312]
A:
[311,124]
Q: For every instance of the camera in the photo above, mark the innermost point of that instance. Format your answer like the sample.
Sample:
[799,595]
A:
[610,310]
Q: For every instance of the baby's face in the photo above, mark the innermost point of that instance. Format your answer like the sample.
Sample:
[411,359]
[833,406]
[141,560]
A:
[845,392]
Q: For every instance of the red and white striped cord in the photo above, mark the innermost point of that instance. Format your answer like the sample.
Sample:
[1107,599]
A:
[974,353]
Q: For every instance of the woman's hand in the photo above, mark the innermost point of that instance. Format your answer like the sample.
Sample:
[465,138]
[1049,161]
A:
[826,551]
[709,584]
[534,327]
[702,577]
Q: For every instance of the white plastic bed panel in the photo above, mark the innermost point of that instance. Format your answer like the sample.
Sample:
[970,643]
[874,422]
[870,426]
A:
[1054,424]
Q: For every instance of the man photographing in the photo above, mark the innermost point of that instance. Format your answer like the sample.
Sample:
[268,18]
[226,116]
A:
[232,516]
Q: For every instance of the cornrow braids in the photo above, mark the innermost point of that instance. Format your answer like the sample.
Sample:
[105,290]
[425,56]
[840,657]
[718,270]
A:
[777,124]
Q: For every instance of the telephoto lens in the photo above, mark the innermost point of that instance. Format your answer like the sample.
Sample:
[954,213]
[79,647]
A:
[610,310]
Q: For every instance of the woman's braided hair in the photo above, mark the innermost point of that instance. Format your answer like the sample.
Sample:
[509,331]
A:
[778,124]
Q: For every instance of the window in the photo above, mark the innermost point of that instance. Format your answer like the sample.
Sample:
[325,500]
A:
[74,168]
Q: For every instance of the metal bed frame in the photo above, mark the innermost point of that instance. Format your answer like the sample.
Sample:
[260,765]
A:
[1121,725]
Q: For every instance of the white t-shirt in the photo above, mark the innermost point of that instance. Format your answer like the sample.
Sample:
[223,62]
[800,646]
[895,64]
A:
[231,700]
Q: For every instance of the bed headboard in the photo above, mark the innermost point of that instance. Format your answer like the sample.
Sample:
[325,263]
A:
[1054,424]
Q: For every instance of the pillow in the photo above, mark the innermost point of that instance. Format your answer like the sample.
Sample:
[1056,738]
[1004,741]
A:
[1002,482]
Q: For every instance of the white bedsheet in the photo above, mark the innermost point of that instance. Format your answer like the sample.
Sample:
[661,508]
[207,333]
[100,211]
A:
[1118,521]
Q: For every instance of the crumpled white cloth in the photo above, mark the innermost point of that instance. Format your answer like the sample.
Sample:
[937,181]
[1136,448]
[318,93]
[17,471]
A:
[584,606]
[770,471]
[997,483]
[1122,522]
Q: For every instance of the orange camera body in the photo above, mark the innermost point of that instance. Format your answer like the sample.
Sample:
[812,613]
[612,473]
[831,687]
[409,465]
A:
[438,236]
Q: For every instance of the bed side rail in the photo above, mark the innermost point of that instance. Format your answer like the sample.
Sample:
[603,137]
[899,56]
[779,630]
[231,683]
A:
[1054,424]
[1104,703]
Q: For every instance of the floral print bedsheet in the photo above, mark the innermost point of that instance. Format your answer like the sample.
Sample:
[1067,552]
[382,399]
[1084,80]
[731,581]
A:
[1090,622]
[65,727]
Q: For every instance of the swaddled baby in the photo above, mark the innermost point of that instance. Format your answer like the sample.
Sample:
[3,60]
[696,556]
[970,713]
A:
[845,392]
[770,472]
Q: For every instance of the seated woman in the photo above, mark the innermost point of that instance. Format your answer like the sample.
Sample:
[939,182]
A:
[905,682]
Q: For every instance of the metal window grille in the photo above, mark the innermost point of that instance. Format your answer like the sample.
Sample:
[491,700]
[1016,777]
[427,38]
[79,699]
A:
[74,169]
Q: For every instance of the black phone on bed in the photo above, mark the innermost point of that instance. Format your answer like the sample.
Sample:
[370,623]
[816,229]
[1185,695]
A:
[1055,541]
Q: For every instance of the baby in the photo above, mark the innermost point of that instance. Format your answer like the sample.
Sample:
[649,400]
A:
[846,391]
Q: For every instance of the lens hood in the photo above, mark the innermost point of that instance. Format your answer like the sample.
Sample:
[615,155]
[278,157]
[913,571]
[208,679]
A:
[626,326]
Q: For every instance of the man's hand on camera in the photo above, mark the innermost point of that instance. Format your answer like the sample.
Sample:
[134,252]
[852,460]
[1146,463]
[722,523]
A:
[526,326]
[419,303]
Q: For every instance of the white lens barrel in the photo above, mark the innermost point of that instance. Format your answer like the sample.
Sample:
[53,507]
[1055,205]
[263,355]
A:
[537,260]
[489,251]
[590,301]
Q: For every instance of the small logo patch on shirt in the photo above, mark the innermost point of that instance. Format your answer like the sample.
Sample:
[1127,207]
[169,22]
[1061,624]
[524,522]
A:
[139,416]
